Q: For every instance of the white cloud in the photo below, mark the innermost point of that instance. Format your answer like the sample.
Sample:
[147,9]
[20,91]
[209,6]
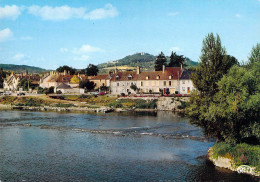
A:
[5,34]
[81,58]
[26,38]
[64,50]
[10,12]
[18,57]
[108,11]
[175,49]
[238,15]
[56,13]
[173,13]
[86,49]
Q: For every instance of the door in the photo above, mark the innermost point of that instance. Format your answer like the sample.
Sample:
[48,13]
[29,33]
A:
[188,90]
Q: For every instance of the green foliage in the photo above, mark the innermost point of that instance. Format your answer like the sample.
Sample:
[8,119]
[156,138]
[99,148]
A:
[31,102]
[133,87]
[67,68]
[64,105]
[49,90]
[24,83]
[86,84]
[159,62]
[241,154]
[40,90]
[255,54]
[137,103]
[91,70]
[2,76]
[104,88]
[22,68]
[59,92]
[176,60]
[226,101]
[183,105]
[213,65]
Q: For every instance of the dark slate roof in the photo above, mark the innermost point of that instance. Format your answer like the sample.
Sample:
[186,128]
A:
[186,75]
[64,86]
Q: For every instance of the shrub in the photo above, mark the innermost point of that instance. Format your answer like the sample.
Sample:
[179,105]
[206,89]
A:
[183,105]
[241,154]
[59,92]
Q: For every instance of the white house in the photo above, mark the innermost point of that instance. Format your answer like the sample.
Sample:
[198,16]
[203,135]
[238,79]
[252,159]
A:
[186,85]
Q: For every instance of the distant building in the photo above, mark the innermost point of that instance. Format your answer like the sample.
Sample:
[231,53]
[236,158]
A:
[11,82]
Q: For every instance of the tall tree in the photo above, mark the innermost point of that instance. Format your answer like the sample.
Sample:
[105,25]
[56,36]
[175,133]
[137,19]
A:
[92,70]
[159,62]
[176,60]
[65,67]
[214,64]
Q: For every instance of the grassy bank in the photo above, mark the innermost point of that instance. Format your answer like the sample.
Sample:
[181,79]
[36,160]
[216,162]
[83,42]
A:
[240,154]
[130,103]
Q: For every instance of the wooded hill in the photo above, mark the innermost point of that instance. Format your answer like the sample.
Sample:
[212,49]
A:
[22,68]
[144,60]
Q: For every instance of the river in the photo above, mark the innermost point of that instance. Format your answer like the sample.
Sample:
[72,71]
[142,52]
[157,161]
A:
[127,146]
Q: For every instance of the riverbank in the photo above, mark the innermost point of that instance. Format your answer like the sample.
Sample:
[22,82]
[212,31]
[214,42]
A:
[88,103]
[241,158]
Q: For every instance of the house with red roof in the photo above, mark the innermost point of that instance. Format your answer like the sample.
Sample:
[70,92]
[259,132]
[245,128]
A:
[166,81]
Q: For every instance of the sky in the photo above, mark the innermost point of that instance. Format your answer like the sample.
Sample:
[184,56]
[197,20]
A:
[52,33]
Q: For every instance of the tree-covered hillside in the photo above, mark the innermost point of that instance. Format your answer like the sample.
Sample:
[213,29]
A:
[22,68]
[144,60]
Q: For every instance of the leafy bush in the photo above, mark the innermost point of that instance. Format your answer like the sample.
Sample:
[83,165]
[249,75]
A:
[59,92]
[241,154]
[183,105]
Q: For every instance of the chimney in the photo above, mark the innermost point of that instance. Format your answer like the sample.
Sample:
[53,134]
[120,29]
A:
[163,68]
[138,70]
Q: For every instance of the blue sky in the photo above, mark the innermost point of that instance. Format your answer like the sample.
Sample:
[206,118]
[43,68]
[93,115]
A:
[51,33]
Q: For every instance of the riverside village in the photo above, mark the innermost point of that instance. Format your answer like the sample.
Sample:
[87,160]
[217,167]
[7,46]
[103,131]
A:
[130,90]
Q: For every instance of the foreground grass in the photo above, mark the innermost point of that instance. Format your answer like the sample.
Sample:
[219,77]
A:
[240,154]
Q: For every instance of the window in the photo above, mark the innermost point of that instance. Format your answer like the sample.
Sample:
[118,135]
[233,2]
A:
[141,84]
[127,84]
[132,83]
[117,84]
[117,77]
[170,77]
[147,77]
[170,83]
[164,83]
[183,88]
[158,77]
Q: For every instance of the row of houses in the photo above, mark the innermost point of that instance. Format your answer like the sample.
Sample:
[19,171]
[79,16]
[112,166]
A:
[169,81]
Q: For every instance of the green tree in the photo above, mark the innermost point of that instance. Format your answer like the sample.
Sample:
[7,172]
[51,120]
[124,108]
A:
[2,76]
[159,62]
[91,70]
[24,83]
[86,84]
[65,67]
[255,54]
[214,64]
[176,60]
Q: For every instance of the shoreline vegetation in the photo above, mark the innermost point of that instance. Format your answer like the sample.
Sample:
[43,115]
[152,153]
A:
[91,103]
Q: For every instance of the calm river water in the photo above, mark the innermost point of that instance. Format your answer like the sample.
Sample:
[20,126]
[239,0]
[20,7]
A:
[105,147]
